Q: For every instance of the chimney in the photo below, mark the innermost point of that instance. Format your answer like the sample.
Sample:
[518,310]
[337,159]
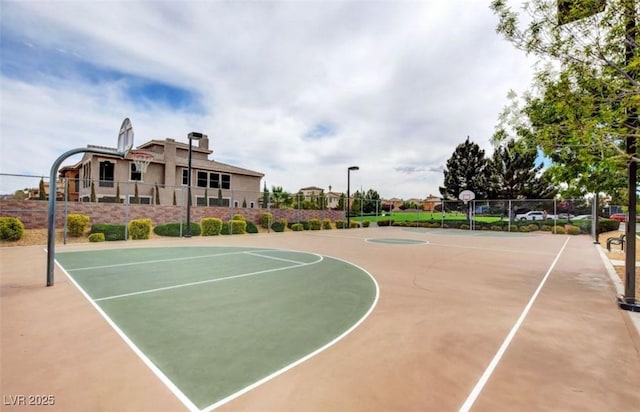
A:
[204,142]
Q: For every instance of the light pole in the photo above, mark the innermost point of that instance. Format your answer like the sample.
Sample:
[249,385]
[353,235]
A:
[191,136]
[349,194]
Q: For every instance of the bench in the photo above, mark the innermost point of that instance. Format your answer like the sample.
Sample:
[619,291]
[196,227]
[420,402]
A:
[615,241]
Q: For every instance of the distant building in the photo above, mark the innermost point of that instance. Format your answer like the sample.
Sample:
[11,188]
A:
[166,177]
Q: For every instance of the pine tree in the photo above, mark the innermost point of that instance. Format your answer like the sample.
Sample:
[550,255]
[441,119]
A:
[41,191]
[466,170]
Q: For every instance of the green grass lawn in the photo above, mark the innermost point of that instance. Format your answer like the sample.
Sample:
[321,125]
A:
[426,217]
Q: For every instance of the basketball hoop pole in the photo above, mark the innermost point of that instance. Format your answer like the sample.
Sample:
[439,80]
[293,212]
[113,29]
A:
[51,231]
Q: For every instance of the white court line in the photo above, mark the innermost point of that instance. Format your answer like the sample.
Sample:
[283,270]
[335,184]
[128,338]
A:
[201,282]
[507,341]
[277,258]
[163,378]
[307,357]
[146,262]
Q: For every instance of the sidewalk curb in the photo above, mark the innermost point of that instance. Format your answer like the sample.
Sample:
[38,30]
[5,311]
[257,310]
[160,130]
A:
[634,317]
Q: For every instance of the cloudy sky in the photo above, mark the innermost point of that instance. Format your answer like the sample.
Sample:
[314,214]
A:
[298,90]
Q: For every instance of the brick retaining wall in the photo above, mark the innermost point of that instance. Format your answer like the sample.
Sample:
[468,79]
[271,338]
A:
[33,213]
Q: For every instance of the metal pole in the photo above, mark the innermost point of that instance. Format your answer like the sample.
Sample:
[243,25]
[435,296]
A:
[51,230]
[348,197]
[188,234]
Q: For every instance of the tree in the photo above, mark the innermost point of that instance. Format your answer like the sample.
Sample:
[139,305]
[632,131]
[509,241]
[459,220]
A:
[466,169]
[157,194]
[42,195]
[265,197]
[118,192]
[513,173]
[583,110]
[175,201]
[92,196]
[136,196]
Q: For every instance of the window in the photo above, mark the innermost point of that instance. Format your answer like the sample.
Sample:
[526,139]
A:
[226,181]
[106,174]
[133,173]
[143,200]
[202,179]
[86,175]
[185,177]
[219,181]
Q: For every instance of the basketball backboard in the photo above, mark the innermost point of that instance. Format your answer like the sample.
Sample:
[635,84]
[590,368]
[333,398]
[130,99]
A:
[125,137]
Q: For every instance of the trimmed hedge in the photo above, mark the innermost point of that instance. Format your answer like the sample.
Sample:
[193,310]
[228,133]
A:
[173,229]
[326,224]
[572,230]
[251,227]
[11,228]
[96,237]
[110,232]
[279,226]
[297,227]
[77,224]
[315,224]
[211,226]
[238,227]
[341,224]
[238,216]
[140,229]
[265,219]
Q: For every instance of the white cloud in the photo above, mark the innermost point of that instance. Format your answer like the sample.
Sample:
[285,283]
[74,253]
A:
[400,83]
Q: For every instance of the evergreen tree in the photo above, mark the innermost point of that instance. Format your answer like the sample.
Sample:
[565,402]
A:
[514,174]
[41,191]
[92,197]
[175,201]
[466,170]
[265,197]
[136,196]
[157,195]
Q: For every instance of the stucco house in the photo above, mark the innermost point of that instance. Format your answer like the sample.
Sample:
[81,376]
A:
[165,179]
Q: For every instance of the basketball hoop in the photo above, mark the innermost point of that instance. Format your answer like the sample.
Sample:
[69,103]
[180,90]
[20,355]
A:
[141,159]
[466,196]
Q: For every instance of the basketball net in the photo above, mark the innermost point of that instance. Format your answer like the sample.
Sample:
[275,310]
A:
[141,160]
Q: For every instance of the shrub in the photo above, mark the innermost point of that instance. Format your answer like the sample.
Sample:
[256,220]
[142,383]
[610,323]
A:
[546,228]
[524,228]
[211,226]
[96,237]
[225,229]
[464,226]
[11,228]
[265,219]
[384,222]
[354,224]
[77,224]
[110,232]
[608,225]
[251,227]
[533,227]
[238,227]
[140,229]
[315,224]
[341,224]
[238,216]
[572,230]
[297,227]
[559,230]
[365,223]
[173,229]
[305,224]
[278,226]
[496,228]
[326,224]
